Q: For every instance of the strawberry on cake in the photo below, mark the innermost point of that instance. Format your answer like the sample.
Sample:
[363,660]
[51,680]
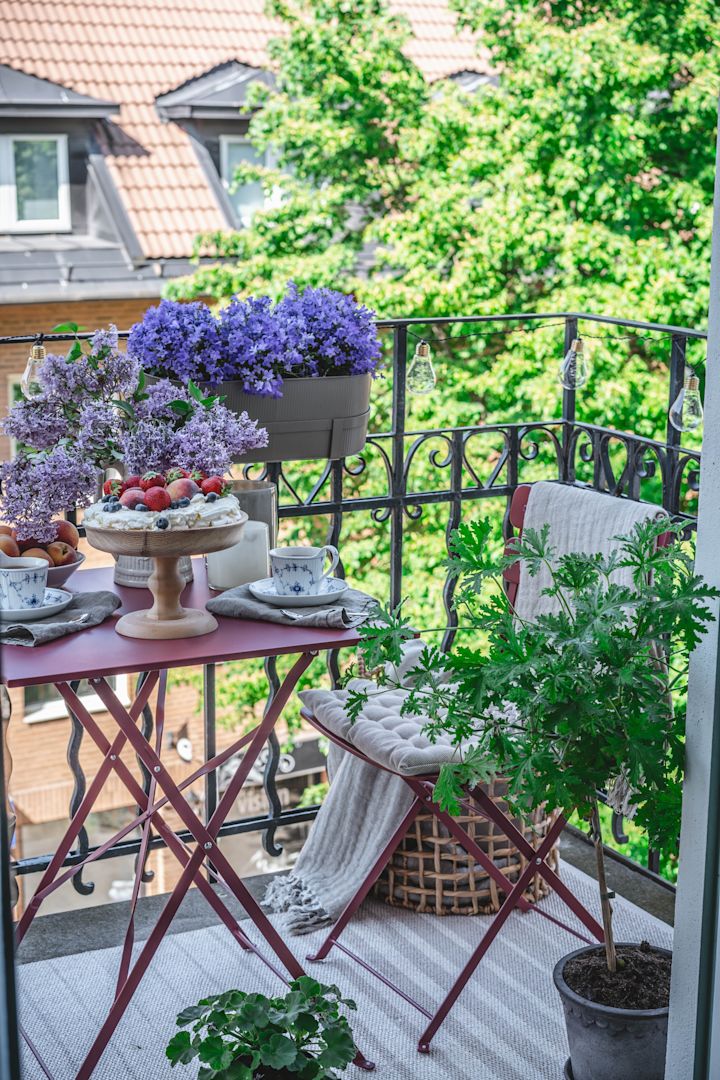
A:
[174,501]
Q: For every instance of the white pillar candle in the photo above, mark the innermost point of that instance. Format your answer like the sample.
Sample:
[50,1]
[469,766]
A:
[245,561]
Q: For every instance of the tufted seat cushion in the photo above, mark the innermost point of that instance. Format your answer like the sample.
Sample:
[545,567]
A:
[381,733]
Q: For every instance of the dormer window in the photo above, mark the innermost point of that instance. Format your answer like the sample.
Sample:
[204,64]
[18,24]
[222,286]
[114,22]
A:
[236,150]
[34,188]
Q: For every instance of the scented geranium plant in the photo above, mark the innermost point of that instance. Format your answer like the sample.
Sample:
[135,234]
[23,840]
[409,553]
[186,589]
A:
[584,699]
[310,333]
[239,1036]
[90,411]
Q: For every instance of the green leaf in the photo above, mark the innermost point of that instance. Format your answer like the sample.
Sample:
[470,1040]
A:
[339,1048]
[180,1050]
[279,1052]
[67,328]
[216,1053]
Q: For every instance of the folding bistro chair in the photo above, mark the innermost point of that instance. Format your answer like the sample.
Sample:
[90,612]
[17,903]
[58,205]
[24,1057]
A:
[396,746]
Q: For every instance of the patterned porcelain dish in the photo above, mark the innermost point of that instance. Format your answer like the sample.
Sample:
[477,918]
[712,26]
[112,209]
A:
[265,590]
[54,601]
[22,583]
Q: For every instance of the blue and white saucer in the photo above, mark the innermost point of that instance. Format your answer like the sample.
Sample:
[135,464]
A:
[330,589]
[55,600]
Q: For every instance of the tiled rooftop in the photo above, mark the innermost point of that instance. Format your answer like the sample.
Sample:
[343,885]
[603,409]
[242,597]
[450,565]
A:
[131,51]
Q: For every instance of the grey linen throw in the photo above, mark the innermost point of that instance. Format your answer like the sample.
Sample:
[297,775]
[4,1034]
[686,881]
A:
[351,609]
[365,805]
[85,610]
[580,520]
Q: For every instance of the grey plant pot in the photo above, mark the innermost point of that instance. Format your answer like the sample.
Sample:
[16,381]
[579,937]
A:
[607,1043]
[326,417]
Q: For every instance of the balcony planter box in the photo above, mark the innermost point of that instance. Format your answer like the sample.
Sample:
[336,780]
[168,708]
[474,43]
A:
[322,417]
[611,1043]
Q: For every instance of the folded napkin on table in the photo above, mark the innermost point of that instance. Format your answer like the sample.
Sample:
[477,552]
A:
[85,610]
[351,609]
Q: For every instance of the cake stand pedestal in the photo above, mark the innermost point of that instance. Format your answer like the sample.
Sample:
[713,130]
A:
[167,618]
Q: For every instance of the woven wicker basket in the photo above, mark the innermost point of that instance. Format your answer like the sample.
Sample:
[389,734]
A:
[429,872]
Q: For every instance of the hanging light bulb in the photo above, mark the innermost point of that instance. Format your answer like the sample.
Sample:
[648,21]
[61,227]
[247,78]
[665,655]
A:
[421,378]
[29,382]
[575,368]
[686,411]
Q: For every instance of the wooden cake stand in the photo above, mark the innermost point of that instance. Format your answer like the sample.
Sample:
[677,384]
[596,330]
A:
[167,618]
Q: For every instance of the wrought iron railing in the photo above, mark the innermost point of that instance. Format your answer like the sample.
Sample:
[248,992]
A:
[565,448]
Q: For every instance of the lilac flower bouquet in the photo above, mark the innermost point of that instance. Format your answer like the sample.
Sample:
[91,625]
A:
[93,411]
[310,333]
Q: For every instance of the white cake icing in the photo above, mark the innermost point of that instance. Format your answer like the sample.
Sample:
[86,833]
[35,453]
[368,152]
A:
[199,514]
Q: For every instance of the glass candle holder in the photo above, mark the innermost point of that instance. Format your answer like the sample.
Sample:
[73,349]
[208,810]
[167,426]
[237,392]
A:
[248,560]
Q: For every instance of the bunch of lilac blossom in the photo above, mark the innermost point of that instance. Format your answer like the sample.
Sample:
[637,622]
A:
[102,373]
[326,333]
[173,427]
[66,433]
[38,487]
[179,341]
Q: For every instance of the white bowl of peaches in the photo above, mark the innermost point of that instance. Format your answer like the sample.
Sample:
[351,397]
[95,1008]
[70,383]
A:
[61,554]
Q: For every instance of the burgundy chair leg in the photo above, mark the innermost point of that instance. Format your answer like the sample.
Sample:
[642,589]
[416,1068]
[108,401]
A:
[369,881]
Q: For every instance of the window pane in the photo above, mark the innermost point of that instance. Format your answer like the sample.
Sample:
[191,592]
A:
[36,697]
[247,198]
[36,179]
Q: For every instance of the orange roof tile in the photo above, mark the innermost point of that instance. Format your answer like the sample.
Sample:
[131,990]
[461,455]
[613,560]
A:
[131,51]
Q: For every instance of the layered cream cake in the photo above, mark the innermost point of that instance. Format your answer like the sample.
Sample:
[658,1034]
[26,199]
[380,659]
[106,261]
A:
[201,512]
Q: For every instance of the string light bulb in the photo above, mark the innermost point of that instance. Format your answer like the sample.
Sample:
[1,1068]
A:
[575,368]
[29,382]
[421,378]
[686,411]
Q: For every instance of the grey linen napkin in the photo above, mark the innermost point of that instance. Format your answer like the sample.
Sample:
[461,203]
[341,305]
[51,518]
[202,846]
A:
[84,610]
[353,608]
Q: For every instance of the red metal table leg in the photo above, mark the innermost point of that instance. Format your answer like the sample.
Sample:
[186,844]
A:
[206,838]
[111,753]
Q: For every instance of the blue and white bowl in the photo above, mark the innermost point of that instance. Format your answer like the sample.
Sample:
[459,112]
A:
[22,584]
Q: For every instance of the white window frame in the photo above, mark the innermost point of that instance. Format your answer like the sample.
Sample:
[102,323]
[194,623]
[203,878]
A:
[9,221]
[57,710]
[267,159]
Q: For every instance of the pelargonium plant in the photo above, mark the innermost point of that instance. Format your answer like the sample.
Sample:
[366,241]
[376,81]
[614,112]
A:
[584,699]
[309,333]
[92,411]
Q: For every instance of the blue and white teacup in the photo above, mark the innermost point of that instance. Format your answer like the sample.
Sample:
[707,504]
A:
[298,571]
[22,583]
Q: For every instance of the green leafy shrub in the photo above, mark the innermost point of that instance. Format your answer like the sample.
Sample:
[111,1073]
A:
[238,1036]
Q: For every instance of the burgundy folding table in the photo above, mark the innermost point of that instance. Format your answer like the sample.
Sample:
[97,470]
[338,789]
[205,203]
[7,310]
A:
[99,653]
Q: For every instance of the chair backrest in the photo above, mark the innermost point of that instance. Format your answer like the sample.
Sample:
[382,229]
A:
[518,506]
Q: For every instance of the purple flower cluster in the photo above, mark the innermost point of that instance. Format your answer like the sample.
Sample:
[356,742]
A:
[38,487]
[39,423]
[191,436]
[327,333]
[314,332]
[179,341]
[254,345]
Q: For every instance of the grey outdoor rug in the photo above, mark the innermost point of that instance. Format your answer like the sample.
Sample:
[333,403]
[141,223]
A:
[507,1025]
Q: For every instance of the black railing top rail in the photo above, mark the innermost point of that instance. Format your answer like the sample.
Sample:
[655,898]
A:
[444,320]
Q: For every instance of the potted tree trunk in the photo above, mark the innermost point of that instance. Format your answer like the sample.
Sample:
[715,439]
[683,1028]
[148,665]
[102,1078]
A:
[301,368]
[584,699]
[302,1036]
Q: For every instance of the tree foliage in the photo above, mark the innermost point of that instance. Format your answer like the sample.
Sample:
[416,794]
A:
[581,181]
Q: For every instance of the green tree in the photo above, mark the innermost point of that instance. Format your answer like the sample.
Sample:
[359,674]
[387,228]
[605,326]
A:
[581,181]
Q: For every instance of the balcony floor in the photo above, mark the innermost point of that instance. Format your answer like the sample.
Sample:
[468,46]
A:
[507,1025]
